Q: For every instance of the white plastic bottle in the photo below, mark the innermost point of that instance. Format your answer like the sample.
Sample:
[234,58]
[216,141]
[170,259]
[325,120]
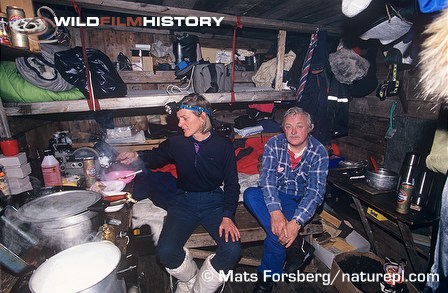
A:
[51,170]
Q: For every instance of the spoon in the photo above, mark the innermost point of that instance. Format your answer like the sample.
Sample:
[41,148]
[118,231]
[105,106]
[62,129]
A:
[131,174]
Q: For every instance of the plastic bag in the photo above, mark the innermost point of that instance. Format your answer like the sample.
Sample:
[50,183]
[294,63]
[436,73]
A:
[106,82]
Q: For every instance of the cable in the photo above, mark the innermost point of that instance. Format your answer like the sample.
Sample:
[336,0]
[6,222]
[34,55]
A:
[29,26]
[37,26]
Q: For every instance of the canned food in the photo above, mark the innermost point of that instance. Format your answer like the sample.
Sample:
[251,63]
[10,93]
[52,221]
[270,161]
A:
[16,14]
[404,198]
[89,171]
[4,34]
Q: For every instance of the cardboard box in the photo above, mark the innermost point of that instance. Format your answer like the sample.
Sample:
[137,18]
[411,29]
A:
[13,161]
[20,189]
[141,60]
[19,171]
[148,63]
[16,183]
[137,63]
[342,280]
[209,54]
[353,242]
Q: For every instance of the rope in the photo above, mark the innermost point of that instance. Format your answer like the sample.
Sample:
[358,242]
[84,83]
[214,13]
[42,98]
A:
[92,102]
[174,89]
[238,25]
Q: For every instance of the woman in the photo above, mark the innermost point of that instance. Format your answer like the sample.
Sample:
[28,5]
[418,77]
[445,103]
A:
[204,161]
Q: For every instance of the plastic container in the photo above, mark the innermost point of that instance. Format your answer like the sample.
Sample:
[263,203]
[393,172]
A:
[51,170]
[4,186]
[10,147]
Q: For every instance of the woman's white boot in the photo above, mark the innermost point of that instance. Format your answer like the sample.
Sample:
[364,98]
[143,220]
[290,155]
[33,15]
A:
[185,274]
[208,280]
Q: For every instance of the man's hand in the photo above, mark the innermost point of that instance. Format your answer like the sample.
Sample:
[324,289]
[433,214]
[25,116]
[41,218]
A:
[228,227]
[278,223]
[293,229]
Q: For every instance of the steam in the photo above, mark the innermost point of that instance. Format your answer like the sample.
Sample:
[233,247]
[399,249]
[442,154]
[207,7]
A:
[17,235]
[20,233]
[117,166]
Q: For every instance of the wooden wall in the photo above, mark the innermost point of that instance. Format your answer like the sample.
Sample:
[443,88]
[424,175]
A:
[369,117]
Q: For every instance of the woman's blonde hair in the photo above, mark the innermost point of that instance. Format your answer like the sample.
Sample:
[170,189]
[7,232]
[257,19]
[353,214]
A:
[198,105]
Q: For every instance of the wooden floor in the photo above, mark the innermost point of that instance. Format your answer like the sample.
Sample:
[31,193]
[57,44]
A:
[157,280]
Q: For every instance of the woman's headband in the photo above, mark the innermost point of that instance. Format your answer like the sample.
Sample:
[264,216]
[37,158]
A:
[196,108]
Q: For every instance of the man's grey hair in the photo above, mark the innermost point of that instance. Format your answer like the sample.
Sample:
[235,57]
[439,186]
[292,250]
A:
[296,111]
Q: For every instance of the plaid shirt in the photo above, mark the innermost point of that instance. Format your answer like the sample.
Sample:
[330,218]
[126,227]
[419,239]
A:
[306,181]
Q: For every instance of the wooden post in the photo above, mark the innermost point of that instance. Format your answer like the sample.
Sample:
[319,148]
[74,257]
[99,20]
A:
[4,126]
[280,59]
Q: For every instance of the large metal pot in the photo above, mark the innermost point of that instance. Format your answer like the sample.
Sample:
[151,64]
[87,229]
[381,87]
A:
[87,268]
[64,219]
[383,180]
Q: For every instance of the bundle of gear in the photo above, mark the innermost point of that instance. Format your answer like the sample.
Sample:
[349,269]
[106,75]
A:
[42,29]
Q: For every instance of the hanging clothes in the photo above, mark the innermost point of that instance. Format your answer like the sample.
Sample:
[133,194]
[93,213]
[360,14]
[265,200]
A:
[314,98]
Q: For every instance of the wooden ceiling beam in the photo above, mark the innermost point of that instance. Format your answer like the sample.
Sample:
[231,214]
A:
[157,10]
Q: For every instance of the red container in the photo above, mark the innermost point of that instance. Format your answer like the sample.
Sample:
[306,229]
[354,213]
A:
[10,147]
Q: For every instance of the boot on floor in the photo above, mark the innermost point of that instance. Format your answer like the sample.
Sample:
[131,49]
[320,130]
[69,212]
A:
[263,285]
[186,274]
[208,280]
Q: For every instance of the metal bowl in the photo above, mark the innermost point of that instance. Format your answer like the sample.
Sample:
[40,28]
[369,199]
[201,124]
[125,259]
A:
[383,180]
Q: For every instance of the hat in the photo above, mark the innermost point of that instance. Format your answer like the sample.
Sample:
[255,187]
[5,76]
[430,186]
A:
[347,66]
[351,8]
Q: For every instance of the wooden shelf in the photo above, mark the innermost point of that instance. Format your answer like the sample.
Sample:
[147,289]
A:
[142,99]
[10,53]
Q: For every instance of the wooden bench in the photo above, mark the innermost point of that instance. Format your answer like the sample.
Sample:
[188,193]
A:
[249,228]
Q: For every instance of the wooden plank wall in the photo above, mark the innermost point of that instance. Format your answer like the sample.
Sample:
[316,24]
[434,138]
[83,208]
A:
[369,117]
[113,41]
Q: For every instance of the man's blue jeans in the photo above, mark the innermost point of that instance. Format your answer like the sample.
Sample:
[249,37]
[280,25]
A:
[187,211]
[274,254]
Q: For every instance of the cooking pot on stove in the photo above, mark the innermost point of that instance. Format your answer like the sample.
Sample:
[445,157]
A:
[64,219]
[86,268]
[384,179]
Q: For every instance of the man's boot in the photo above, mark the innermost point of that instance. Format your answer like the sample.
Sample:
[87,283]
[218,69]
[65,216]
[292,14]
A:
[297,255]
[209,279]
[263,285]
[185,274]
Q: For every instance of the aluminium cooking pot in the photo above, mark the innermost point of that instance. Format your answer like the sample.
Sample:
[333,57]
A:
[383,180]
[64,219]
[87,268]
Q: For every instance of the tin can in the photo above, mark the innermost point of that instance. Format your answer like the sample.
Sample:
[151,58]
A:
[4,34]
[108,233]
[89,171]
[404,197]
[16,14]
[4,187]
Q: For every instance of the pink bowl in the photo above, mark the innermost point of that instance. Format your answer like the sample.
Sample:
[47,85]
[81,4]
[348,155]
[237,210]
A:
[119,175]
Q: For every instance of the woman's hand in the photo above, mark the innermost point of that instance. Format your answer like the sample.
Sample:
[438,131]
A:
[127,158]
[228,227]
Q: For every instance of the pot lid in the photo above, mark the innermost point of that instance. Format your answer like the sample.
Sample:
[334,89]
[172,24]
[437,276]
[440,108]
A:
[57,205]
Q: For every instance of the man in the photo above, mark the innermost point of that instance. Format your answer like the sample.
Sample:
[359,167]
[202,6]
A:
[292,185]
